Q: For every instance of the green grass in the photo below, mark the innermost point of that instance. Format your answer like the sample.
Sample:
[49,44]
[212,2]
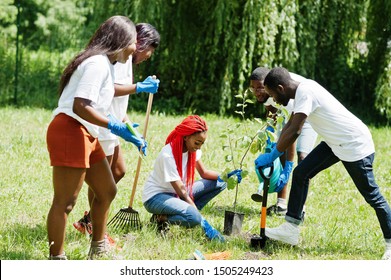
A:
[339,224]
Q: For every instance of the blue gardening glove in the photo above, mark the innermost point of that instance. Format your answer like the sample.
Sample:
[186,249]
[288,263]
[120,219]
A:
[284,176]
[150,85]
[266,160]
[210,232]
[237,172]
[121,129]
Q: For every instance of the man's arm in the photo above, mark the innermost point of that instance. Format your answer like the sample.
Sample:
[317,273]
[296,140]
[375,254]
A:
[291,131]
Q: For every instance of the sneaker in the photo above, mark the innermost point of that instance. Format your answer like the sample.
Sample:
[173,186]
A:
[276,210]
[99,248]
[161,221]
[387,253]
[84,225]
[61,257]
[287,233]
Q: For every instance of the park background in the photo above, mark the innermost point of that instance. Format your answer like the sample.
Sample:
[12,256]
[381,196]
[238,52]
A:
[208,50]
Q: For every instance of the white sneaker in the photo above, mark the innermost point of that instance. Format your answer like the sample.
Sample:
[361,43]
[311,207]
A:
[387,253]
[99,249]
[287,232]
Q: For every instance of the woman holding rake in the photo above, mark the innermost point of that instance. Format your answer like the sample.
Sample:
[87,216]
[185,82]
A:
[148,39]
[86,91]
[170,192]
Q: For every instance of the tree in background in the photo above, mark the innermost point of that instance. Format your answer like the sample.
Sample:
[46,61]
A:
[209,48]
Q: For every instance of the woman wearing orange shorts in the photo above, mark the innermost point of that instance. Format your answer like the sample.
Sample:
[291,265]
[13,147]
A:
[86,92]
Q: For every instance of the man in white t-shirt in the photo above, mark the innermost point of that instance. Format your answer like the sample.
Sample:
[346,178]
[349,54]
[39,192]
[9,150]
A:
[148,40]
[345,138]
[303,146]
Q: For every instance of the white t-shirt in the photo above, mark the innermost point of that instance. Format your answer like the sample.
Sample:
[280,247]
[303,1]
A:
[348,137]
[164,172]
[93,80]
[123,74]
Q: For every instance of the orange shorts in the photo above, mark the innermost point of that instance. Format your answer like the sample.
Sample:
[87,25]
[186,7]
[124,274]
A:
[70,144]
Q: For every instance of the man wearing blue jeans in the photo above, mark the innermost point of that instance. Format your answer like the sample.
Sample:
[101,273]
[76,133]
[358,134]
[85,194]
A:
[346,139]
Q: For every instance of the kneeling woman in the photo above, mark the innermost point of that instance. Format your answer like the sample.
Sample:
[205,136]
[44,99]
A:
[170,191]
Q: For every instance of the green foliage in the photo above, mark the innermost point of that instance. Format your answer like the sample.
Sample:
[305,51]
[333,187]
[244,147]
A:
[383,91]
[209,48]
[246,136]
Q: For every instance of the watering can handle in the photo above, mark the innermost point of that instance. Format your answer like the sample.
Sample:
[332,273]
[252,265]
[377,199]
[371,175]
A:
[266,176]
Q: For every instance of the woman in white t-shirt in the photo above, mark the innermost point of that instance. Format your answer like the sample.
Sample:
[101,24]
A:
[170,192]
[346,139]
[148,39]
[86,92]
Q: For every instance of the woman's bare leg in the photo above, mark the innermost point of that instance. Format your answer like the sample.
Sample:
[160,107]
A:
[67,182]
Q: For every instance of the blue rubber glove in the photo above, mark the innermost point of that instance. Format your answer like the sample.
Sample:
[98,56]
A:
[150,85]
[237,172]
[210,232]
[284,176]
[120,129]
[266,160]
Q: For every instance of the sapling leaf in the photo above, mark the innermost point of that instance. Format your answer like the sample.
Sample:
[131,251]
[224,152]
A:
[223,136]
[258,120]
[239,96]
[231,183]
[280,119]
[254,147]
[249,101]
[271,135]
[225,147]
[244,173]
[228,158]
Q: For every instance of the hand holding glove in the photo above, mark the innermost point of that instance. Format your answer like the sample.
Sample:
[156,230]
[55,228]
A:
[150,85]
[237,172]
[210,232]
[121,129]
[284,176]
[266,160]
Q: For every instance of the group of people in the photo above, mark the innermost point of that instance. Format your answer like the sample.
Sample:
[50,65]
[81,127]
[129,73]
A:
[83,144]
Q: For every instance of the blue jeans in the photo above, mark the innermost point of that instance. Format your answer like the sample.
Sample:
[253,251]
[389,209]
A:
[360,171]
[180,212]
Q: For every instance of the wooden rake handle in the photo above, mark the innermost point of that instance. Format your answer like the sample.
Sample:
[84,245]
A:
[149,107]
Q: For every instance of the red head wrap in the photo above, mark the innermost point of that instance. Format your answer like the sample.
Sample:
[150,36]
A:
[190,125]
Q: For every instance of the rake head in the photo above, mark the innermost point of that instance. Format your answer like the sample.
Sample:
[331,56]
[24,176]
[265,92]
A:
[125,220]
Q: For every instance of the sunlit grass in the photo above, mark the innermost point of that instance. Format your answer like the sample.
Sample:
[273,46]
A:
[339,224]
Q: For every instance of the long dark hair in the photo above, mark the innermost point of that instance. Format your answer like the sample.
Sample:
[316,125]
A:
[115,34]
[147,35]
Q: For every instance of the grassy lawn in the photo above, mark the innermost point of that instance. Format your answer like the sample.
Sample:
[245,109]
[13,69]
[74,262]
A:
[339,224]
